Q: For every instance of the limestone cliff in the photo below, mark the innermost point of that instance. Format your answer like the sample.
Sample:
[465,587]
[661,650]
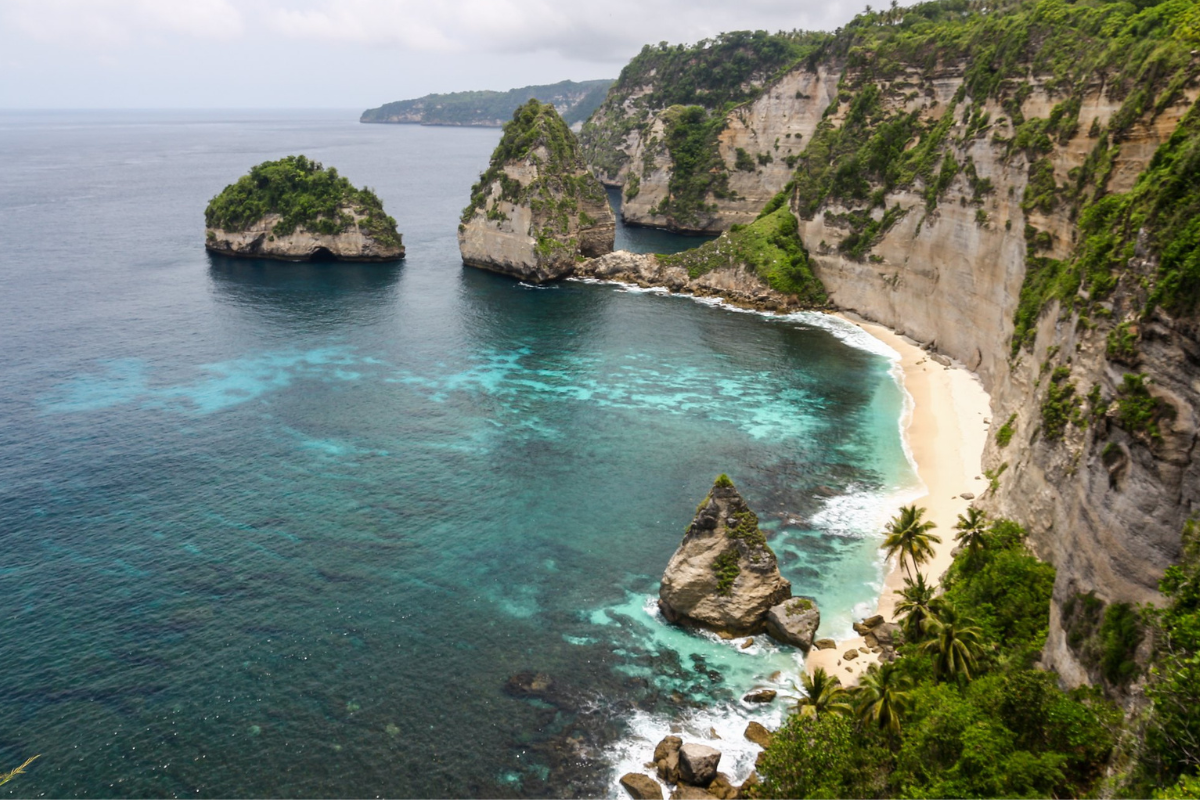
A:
[723,576]
[537,208]
[294,209]
[1015,188]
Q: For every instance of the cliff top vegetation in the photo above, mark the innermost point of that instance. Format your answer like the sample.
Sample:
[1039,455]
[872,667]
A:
[563,178]
[305,195]
[482,107]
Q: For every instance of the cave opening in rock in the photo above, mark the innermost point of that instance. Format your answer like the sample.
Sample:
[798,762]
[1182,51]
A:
[322,254]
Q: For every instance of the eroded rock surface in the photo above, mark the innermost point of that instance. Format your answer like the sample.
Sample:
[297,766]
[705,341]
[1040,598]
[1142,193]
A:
[723,576]
[537,209]
[794,622]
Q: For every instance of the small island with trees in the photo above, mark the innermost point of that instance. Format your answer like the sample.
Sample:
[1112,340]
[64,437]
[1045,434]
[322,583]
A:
[297,210]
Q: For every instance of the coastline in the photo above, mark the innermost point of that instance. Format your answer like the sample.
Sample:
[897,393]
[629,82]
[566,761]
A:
[946,430]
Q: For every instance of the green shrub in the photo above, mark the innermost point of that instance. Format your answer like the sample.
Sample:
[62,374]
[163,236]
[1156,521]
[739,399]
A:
[1005,433]
[770,246]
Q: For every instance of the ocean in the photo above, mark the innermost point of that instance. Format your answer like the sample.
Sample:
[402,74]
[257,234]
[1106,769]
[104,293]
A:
[304,530]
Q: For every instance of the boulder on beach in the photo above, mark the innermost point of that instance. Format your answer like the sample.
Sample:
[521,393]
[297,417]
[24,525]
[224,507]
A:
[698,764]
[825,644]
[641,787]
[794,622]
[723,576]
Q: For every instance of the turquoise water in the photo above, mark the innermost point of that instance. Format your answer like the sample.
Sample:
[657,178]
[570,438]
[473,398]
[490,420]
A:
[288,530]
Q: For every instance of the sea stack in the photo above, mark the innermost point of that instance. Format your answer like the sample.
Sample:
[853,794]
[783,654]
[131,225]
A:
[296,210]
[724,576]
[537,209]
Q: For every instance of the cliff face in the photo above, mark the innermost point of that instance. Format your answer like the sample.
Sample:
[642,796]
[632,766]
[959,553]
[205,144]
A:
[753,150]
[259,240]
[537,209]
[295,209]
[976,197]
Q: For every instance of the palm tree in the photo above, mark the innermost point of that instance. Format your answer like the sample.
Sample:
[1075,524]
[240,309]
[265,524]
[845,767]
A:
[955,644]
[823,694]
[916,606]
[882,697]
[972,531]
[908,535]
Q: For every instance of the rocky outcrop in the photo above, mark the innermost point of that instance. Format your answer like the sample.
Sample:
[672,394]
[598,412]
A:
[294,209]
[724,576]
[794,622]
[260,240]
[698,764]
[737,284]
[537,209]
[666,758]
[757,732]
[641,787]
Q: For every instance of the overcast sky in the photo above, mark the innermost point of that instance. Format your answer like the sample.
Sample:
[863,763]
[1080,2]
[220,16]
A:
[343,53]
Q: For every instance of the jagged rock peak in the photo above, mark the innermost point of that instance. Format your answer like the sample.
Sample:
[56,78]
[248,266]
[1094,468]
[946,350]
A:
[724,576]
[537,209]
[297,210]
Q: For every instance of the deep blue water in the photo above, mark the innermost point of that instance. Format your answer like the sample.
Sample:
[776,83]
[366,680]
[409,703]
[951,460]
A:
[287,530]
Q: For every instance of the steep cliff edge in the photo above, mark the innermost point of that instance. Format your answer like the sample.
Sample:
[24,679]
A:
[294,209]
[987,182]
[537,208]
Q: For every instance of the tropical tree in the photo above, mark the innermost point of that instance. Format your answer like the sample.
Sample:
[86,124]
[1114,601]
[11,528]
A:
[909,536]
[882,697]
[972,531]
[916,607]
[955,645]
[823,694]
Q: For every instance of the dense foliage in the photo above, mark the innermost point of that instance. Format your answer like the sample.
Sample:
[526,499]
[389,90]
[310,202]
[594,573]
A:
[305,195]
[770,246]
[490,108]
[1172,747]
[994,726]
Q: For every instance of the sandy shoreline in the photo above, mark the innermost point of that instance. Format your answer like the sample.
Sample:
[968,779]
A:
[946,433]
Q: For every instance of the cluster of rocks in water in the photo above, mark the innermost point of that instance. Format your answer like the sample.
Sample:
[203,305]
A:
[692,769]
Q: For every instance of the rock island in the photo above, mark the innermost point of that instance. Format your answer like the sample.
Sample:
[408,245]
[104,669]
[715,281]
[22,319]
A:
[297,210]
[537,209]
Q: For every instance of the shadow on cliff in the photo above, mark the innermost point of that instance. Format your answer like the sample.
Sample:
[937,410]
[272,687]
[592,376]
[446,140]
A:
[305,294]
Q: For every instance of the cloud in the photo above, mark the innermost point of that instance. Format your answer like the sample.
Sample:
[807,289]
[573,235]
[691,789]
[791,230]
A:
[605,32]
[117,23]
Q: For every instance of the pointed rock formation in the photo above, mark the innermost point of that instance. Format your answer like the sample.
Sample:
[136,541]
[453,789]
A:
[296,210]
[723,577]
[537,209]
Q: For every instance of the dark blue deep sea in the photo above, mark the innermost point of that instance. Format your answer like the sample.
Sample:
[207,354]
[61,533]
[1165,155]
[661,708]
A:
[288,530]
